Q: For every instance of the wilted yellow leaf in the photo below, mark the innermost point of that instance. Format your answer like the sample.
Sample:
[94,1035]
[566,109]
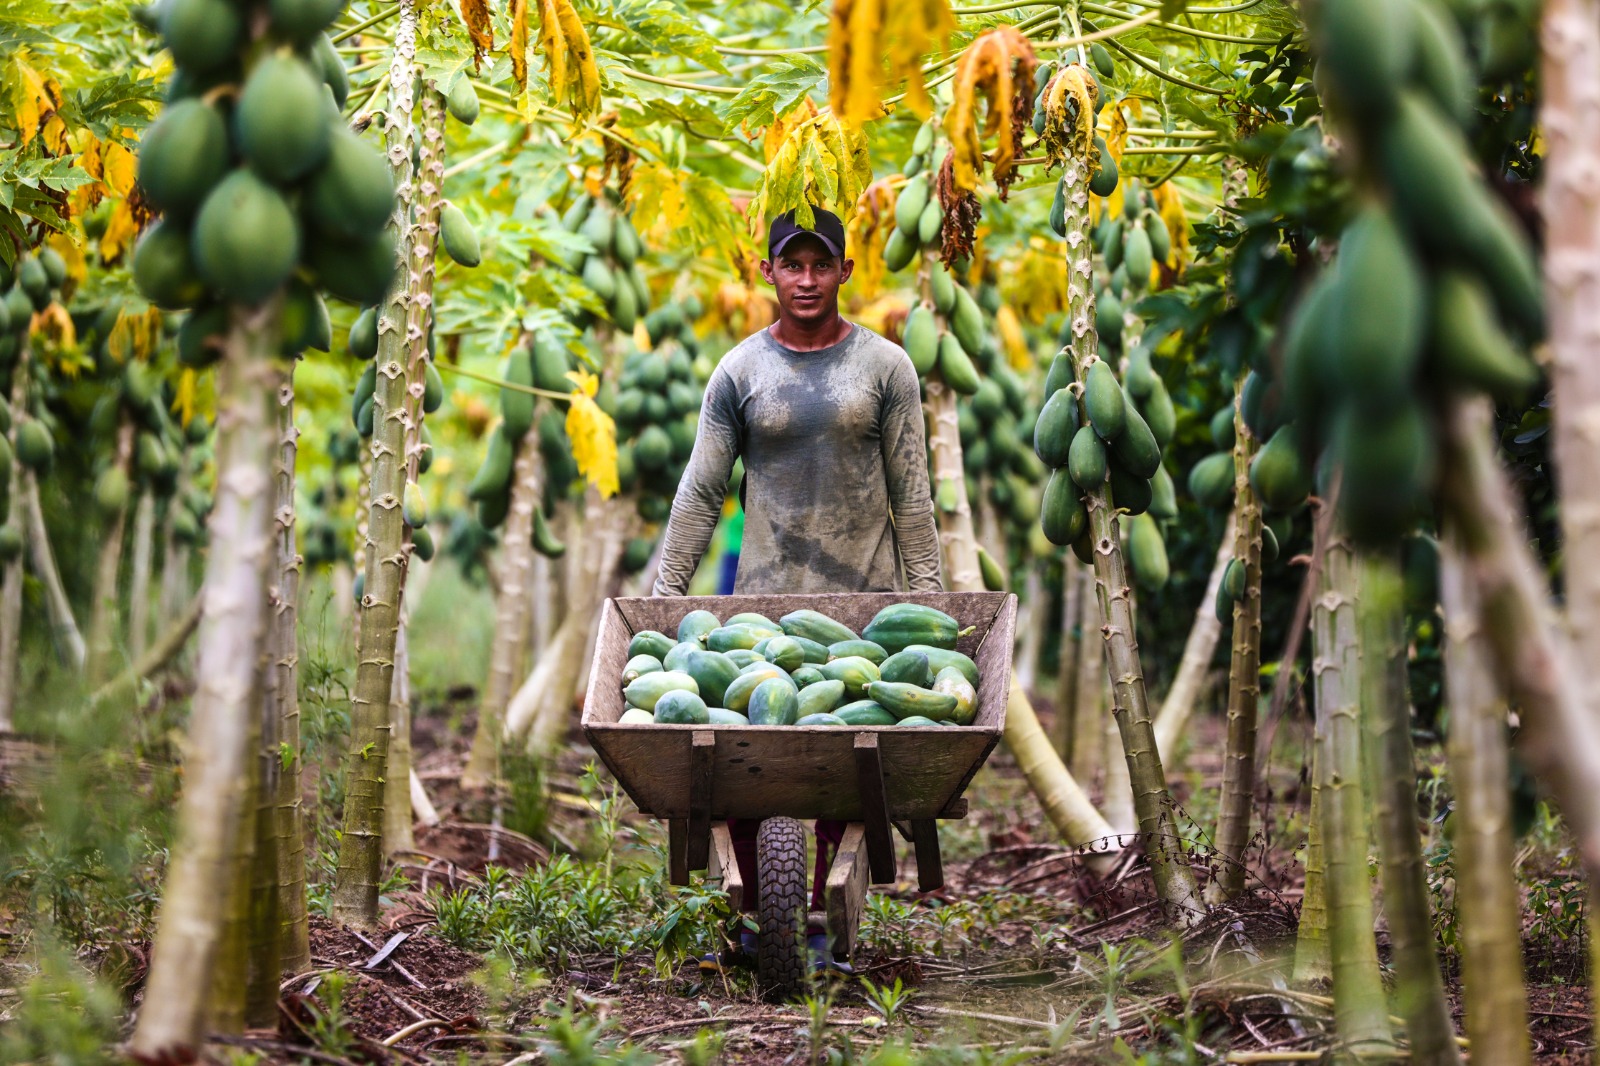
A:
[122,229]
[34,98]
[119,168]
[822,163]
[593,434]
[865,35]
[869,228]
[183,397]
[477,17]
[519,44]
[1116,138]
[1012,340]
[1170,206]
[996,66]
[774,136]
[136,334]
[569,58]
[1069,114]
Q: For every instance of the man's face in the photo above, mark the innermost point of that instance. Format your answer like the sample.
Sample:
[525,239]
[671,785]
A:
[807,277]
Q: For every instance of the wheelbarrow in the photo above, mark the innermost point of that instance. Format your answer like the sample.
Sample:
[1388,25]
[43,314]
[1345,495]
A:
[878,779]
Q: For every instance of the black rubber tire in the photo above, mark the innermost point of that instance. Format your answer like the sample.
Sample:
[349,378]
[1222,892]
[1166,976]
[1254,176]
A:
[781,962]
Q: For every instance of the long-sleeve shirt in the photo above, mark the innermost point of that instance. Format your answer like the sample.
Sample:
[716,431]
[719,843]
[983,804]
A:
[835,471]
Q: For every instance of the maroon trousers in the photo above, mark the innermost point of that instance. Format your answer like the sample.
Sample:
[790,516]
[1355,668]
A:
[743,831]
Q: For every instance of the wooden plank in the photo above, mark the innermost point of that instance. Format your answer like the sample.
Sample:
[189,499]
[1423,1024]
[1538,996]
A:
[930,866]
[678,851]
[846,893]
[955,810]
[724,866]
[702,749]
[874,808]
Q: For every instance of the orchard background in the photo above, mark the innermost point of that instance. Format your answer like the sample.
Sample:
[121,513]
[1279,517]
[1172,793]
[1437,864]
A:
[1257,344]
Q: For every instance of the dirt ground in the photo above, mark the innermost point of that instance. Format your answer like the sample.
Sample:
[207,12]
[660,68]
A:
[978,1001]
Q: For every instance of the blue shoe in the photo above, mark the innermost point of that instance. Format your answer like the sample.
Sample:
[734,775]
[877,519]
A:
[822,959]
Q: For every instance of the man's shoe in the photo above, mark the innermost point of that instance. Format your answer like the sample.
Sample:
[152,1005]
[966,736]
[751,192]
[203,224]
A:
[822,959]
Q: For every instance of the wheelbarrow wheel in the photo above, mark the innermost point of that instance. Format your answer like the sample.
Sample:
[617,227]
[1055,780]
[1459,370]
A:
[781,954]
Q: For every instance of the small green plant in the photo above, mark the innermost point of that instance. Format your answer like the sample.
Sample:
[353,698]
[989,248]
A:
[887,1000]
[571,1039]
[64,1016]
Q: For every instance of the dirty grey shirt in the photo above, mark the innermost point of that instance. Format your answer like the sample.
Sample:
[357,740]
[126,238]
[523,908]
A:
[835,470]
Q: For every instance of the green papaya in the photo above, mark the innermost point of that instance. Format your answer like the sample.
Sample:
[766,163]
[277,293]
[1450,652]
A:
[366,385]
[681,707]
[855,671]
[930,222]
[1366,50]
[494,475]
[462,103]
[942,659]
[952,682]
[816,626]
[303,321]
[823,719]
[598,230]
[516,407]
[712,671]
[907,667]
[733,635]
[1086,460]
[955,366]
[774,702]
[909,205]
[300,21]
[332,69]
[35,448]
[202,35]
[898,251]
[1129,492]
[650,642]
[1054,434]
[357,270]
[902,624]
[1101,57]
[741,688]
[1137,256]
[1147,554]
[1160,237]
[432,388]
[422,544]
[1262,405]
[1468,347]
[861,712]
[625,241]
[1277,474]
[414,506]
[1135,447]
[1061,512]
[459,239]
[182,156]
[163,268]
[201,336]
[246,242]
[1103,401]
[865,649]
[1108,315]
[639,716]
[598,277]
[1381,317]
[1058,210]
[550,365]
[639,665]
[351,195]
[1060,375]
[1163,495]
[908,701]
[820,698]
[1112,248]
[111,490]
[1140,378]
[1104,182]
[723,716]
[278,118]
[694,626]
[784,652]
[1389,462]
[943,289]
[966,322]
[363,340]
[1160,414]
[1269,544]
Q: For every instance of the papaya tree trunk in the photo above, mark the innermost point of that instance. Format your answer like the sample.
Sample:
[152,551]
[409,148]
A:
[11,573]
[1065,803]
[1389,762]
[220,760]
[1488,902]
[1157,817]
[1360,1015]
[1089,702]
[264,967]
[139,563]
[397,822]
[1063,735]
[1313,958]
[609,525]
[63,626]
[289,843]
[175,593]
[105,609]
[355,890]
[1193,668]
[1029,647]
[954,512]
[1244,677]
[513,601]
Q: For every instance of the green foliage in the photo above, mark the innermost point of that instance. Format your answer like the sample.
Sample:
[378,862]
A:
[63,1015]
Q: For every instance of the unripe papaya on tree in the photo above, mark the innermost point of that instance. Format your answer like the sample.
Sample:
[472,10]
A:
[363,418]
[1277,474]
[1388,463]
[182,156]
[201,34]
[598,230]
[363,339]
[246,242]
[921,339]
[460,240]
[1211,480]
[516,408]
[111,491]
[898,251]
[1135,447]
[200,337]
[625,242]
[414,506]
[966,322]
[36,449]
[1129,492]
[908,207]
[1086,459]
[598,277]
[544,540]
[433,388]
[956,367]
[943,289]
[1058,210]
[1441,60]
[303,322]
[1104,182]
[1163,495]
[1155,228]
[355,270]
[334,75]
[164,268]
[279,119]
[494,476]
[32,279]
[1061,512]
[1053,431]
[1147,554]
[1468,347]
[550,365]
[1160,414]
[1366,50]
[1108,317]
[462,102]
[352,193]
[624,308]
[1139,379]
[1137,256]
[299,21]
[422,544]
[10,542]
[1381,318]
[1261,405]
[1103,402]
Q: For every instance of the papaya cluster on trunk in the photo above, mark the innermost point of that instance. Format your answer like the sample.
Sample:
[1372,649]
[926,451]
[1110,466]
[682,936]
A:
[1435,288]
[1132,245]
[611,270]
[996,426]
[805,669]
[262,186]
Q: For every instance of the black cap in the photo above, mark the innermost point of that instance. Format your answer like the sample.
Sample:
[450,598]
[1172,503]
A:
[827,228]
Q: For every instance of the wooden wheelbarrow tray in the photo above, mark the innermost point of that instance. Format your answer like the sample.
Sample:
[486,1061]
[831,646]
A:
[878,778]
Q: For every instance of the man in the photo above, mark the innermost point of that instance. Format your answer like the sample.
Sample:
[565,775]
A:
[827,416]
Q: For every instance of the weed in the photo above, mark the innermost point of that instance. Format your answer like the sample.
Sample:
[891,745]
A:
[63,1015]
[887,1000]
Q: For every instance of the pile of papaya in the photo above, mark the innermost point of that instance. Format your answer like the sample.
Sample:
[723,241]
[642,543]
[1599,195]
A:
[1435,288]
[262,187]
[804,669]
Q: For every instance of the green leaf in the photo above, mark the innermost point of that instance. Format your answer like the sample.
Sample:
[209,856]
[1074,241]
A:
[773,93]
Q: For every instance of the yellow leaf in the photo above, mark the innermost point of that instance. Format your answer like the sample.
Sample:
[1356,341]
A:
[34,97]
[72,254]
[136,334]
[183,397]
[519,44]
[54,326]
[913,30]
[122,229]
[1069,115]
[477,16]
[779,131]
[994,68]
[1170,206]
[593,434]
[822,162]
[869,228]
[1012,340]
[119,169]
[1116,138]
[569,58]
[866,35]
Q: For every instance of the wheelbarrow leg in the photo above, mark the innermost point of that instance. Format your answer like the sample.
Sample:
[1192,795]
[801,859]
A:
[689,839]
[930,866]
[874,808]
[847,890]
